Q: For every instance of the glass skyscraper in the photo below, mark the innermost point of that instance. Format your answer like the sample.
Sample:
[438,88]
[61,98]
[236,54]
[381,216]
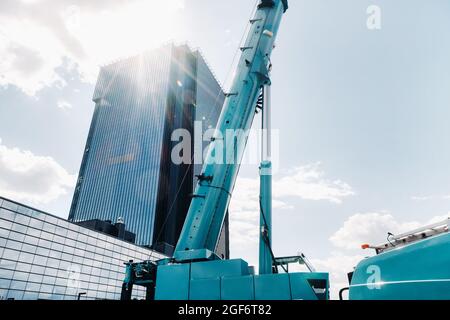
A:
[126,171]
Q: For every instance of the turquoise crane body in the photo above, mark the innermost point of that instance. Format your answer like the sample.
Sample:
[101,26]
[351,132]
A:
[195,272]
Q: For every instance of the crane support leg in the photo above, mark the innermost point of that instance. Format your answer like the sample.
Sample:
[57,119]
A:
[265,237]
[265,196]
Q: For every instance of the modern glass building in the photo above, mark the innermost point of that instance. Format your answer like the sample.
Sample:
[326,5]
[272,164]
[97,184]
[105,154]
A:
[46,257]
[126,171]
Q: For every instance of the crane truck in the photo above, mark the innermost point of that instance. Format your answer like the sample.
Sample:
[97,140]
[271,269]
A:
[410,266]
[195,272]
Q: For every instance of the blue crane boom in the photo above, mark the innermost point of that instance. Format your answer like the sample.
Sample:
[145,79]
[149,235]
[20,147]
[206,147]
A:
[212,195]
[195,272]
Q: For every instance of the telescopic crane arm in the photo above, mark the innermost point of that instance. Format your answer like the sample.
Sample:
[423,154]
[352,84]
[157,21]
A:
[215,185]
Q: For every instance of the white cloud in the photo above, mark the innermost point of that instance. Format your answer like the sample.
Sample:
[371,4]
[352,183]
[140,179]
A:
[37,36]
[372,228]
[430,197]
[304,182]
[28,177]
[25,67]
[64,105]
[308,182]
[422,198]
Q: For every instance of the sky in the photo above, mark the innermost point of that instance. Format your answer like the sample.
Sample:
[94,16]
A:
[362,114]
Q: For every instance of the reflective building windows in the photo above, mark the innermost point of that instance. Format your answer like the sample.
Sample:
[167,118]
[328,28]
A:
[61,259]
[127,170]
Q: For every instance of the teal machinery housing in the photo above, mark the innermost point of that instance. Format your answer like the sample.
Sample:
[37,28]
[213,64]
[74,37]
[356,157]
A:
[195,272]
[411,266]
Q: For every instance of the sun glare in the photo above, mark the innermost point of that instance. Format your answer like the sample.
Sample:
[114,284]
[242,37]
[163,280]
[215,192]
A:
[127,30]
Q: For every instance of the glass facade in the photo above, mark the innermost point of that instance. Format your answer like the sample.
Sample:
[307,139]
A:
[126,169]
[120,169]
[46,257]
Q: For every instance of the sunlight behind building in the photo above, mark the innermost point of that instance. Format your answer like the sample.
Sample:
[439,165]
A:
[123,30]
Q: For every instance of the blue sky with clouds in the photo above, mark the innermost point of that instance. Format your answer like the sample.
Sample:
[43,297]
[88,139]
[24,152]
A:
[362,114]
